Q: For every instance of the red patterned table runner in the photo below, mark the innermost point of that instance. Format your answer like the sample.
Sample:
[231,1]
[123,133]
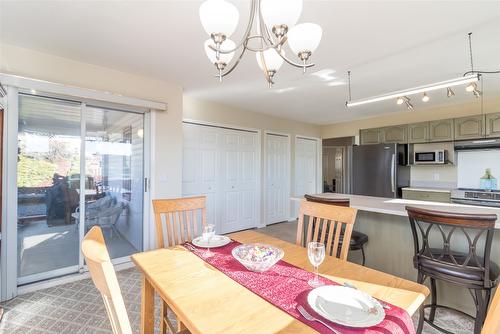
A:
[285,286]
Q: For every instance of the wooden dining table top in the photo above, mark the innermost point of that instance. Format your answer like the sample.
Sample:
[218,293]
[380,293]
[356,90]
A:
[207,301]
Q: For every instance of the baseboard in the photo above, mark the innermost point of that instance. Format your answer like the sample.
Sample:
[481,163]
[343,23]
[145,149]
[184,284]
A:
[64,280]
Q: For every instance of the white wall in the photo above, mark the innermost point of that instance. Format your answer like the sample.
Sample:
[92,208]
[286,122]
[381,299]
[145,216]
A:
[166,158]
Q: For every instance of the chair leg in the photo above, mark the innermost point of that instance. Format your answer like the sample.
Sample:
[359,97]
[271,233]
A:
[482,296]
[432,314]
[163,312]
[420,326]
[363,253]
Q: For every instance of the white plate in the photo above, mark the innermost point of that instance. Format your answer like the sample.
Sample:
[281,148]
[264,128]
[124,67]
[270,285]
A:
[215,241]
[346,306]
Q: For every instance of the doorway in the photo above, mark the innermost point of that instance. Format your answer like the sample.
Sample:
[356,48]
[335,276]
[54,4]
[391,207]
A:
[306,166]
[78,166]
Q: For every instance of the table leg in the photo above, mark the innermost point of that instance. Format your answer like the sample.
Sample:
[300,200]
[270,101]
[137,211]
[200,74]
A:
[147,307]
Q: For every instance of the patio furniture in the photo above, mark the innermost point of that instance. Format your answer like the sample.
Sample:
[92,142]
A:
[104,213]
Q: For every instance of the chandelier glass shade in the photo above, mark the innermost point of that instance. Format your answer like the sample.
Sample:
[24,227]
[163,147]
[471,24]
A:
[272,23]
[219,17]
[280,12]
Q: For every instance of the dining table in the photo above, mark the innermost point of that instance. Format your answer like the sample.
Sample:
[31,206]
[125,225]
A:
[205,300]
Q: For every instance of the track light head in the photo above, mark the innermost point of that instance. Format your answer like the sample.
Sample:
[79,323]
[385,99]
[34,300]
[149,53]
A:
[409,106]
[400,100]
[425,98]
[449,92]
[477,93]
[471,87]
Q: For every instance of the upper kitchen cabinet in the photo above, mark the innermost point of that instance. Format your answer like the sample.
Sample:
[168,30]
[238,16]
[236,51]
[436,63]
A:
[493,125]
[441,130]
[471,127]
[369,136]
[418,133]
[394,134]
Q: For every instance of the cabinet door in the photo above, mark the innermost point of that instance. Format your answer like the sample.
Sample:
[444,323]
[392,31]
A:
[493,125]
[418,133]
[369,136]
[394,134]
[441,130]
[469,127]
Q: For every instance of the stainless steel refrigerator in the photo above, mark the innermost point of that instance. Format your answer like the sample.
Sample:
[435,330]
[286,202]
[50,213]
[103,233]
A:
[380,170]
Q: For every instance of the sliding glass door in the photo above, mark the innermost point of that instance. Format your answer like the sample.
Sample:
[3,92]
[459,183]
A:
[48,187]
[78,166]
[114,172]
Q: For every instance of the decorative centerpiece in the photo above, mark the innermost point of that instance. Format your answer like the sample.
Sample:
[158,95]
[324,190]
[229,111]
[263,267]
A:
[488,182]
[257,257]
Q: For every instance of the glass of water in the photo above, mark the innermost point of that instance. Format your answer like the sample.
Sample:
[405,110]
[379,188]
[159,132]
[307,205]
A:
[316,254]
[208,233]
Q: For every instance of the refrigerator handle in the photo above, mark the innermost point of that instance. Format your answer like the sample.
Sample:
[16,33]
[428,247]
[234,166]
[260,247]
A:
[393,173]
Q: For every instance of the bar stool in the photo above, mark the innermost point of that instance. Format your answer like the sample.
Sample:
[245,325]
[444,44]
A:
[466,269]
[358,239]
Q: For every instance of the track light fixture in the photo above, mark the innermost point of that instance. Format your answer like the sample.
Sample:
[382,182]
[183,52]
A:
[469,79]
[416,90]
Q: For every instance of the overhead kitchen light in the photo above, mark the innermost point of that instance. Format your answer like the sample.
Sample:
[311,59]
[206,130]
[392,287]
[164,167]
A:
[417,90]
[425,98]
[400,100]
[449,92]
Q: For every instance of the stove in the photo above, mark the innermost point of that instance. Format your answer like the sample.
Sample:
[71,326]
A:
[476,197]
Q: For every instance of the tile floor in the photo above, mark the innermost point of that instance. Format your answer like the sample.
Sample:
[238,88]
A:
[77,307]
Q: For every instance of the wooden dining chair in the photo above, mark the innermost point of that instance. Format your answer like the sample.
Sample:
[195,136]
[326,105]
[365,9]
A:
[177,222]
[331,222]
[104,277]
[180,223]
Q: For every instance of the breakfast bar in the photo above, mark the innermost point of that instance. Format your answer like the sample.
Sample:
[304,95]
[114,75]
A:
[390,247]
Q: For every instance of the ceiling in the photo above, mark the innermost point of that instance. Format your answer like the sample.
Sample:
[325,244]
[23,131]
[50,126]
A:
[388,45]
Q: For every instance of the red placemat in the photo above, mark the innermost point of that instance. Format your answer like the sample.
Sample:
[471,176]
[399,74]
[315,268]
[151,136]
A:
[285,286]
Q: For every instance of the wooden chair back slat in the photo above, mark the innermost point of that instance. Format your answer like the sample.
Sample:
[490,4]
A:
[492,322]
[323,231]
[336,221]
[178,223]
[104,278]
[188,223]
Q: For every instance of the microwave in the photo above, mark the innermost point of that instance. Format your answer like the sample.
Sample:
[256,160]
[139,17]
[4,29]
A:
[431,157]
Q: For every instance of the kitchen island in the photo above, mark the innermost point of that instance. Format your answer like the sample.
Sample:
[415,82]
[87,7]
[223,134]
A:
[390,245]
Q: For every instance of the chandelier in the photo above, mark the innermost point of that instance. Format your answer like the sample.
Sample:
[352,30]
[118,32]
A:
[271,25]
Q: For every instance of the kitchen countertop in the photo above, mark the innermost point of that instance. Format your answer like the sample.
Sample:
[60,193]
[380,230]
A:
[396,206]
[438,190]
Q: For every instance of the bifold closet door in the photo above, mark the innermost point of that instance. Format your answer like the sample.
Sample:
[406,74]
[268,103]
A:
[277,178]
[199,168]
[222,165]
[238,162]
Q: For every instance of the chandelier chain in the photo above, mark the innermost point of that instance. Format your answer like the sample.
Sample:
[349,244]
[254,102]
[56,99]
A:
[349,79]
[470,52]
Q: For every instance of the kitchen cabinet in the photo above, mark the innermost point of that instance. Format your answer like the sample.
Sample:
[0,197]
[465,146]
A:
[427,195]
[441,130]
[418,133]
[394,134]
[493,125]
[471,127]
[369,136]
